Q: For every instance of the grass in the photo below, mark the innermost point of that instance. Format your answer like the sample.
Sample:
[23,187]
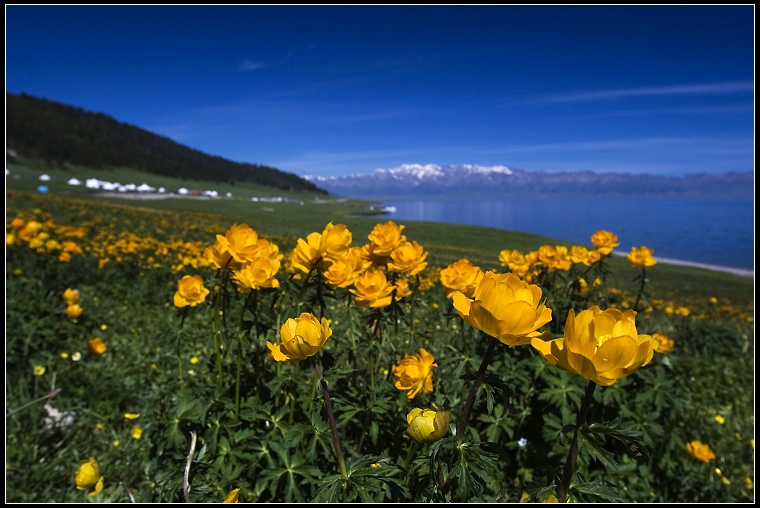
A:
[261,425]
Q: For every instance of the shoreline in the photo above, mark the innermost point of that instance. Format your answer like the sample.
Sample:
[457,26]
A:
[741,272]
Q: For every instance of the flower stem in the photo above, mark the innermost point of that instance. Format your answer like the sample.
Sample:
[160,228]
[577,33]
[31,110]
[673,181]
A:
[462,425]
[563,489]
[641,288]
[331,419]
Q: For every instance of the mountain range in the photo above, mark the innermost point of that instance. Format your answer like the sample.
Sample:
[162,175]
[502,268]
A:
[61,135]
[414,180]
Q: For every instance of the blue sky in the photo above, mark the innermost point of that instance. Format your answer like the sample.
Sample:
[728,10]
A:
[335,90]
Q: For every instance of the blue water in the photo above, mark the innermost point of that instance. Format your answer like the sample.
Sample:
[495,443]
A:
[718,232]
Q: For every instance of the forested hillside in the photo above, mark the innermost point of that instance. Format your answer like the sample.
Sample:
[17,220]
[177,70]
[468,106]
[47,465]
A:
[58,133]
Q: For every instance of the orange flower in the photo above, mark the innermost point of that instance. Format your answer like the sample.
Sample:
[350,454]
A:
[461,276]
[71,296]
[641,257]
[665,343]
[74,311]
[96,346]
[408,258]
[414,373]
[604,241]
[700,451]
[190,291]
[505,307]
[372,289]
[385,237]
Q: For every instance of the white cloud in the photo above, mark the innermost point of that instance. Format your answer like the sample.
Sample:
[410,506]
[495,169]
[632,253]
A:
[599,95]
[250,65]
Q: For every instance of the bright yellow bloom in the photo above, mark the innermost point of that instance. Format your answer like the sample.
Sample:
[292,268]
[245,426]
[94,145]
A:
[461,276]
[700,451]
[602,346]
[713,300]
[335,242]
[194,360]
[427,425]
[88,476]
[190,291]
[604,241]
[386,237]
[554,257]
[239,245]
[641,257]
[71,296]
[720,419]
[300,338]
[306,255]
[137,432]
[665,343]
[414,373]
[517,262]
[96,346]
[372,289]
[341,274]
[74,311]
[402,289]
[408,258]
[504,307]
[232,497]
[131,416]
[579,255]
[39,370]
[684,311]
[261,273]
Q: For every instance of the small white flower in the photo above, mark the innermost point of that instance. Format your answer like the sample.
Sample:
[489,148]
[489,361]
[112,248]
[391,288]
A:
[522,442]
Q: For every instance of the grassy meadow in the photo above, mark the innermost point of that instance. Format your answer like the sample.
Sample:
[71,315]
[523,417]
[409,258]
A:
[144,357]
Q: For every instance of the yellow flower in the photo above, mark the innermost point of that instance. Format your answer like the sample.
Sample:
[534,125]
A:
[256,275]
[641,257]
[408,258]
[414,373]
[665,343]
[427,425]
[402,289]
[74,311]
[602,346]
[517,262]
[385,237]
[232,497]
[305,256]
[720,419]
[194,360]
[136,432]
[71,296]
[300,338]
[39,370]
[88,476]
[700,451]
[239,245]
[713,300]
[372,289]
[341,274]
[190,291]
[335,242]
[504,307]
[579,255]
[96,346]
[131,416]
[684,311]
[604,241]
[461,276]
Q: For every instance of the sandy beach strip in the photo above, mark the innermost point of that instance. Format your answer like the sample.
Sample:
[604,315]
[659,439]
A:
[735,271]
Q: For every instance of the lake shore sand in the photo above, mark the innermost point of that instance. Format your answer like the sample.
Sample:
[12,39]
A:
[735,271]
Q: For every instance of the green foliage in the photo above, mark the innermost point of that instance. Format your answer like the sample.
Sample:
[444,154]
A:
[60,134]
[264,426]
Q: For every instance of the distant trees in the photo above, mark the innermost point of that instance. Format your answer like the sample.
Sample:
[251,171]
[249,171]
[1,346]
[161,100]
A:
[59,133]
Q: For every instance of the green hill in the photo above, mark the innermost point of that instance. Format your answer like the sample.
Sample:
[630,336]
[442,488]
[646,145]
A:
[60,134]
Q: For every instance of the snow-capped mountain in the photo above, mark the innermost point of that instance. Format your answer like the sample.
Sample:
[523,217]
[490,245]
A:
[472,179]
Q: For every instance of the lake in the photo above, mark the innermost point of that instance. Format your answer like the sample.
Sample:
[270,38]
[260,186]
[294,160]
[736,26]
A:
[711,231]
